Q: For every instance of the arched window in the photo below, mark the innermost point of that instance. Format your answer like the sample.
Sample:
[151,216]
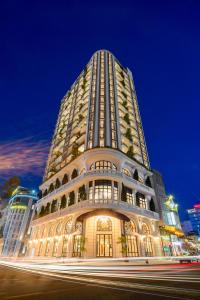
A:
[68,226]
[126,172]
[40,194]
[57,185]
[55,248]
[130,227]
[74,174]
[54,206]
[104,224]
[47,248]
[37,232]
[63,202]
[71,198]
[65,179]
[42,211]
[152,205]
[40,249]
[82,193]
[135,175]
[47,209]
[58,229]
[50,232]
[103,165]
[45,193]
[148,182]
[42,232]
[145,229]
[51,188]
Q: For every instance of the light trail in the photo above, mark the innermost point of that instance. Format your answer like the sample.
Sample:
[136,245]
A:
[92,275]
[122,286]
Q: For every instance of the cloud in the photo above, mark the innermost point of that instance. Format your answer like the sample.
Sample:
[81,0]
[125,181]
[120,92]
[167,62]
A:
[23,156]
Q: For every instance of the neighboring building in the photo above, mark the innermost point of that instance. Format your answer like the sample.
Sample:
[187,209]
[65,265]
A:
[3,215]
[194,216]
[19,212]
[170,226]
[187,227]
[97,196]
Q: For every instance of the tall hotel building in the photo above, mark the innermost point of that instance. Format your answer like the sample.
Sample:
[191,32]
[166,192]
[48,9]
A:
[97,195]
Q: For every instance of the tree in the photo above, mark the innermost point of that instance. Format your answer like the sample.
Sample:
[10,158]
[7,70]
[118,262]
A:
[9,186]
[126,119]
[130,152]
[123,242]
[75,151]
[82,193]
[128,134]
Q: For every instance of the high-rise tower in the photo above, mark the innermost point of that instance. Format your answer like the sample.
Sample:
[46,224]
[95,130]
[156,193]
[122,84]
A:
[97,186]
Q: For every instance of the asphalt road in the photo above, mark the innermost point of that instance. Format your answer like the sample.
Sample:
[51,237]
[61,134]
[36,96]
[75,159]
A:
[57,282]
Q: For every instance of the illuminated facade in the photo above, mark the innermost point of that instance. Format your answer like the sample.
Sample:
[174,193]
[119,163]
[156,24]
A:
[194,216]
[97,196]
[18,218]
[170,226]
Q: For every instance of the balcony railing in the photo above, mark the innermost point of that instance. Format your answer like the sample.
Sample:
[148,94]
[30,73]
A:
[95,204]
[93,174]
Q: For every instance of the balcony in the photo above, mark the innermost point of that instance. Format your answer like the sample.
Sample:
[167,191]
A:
[89,205]
[99,174]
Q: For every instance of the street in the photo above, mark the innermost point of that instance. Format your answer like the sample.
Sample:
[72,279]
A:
[58,281]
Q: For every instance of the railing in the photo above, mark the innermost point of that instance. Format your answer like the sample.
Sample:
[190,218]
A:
[100,203]
[105,173]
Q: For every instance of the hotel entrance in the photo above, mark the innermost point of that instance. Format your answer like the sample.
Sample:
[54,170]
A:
[101,234]
[104,245]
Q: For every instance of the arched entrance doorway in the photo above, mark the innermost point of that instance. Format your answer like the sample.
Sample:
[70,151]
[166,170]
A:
[102,230]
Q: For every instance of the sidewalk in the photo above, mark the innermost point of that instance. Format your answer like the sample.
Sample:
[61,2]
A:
[104,261]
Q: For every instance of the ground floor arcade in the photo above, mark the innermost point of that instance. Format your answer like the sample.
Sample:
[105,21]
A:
[95,234]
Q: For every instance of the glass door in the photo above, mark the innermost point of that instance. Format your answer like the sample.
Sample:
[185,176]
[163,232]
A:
[104,245]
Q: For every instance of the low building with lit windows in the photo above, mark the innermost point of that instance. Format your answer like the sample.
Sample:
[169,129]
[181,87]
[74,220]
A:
[194,216]
[97,195]
[18,217]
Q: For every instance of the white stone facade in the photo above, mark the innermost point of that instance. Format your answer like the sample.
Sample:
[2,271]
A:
[97,172]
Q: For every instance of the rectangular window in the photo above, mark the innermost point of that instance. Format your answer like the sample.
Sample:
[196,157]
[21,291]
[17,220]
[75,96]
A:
[77,246]
[55,248]
[115,191]
[148,246]
[103,190]
[47,248]
[132,247]
[90,191]
[129,196]
[40,249]
[65,247]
